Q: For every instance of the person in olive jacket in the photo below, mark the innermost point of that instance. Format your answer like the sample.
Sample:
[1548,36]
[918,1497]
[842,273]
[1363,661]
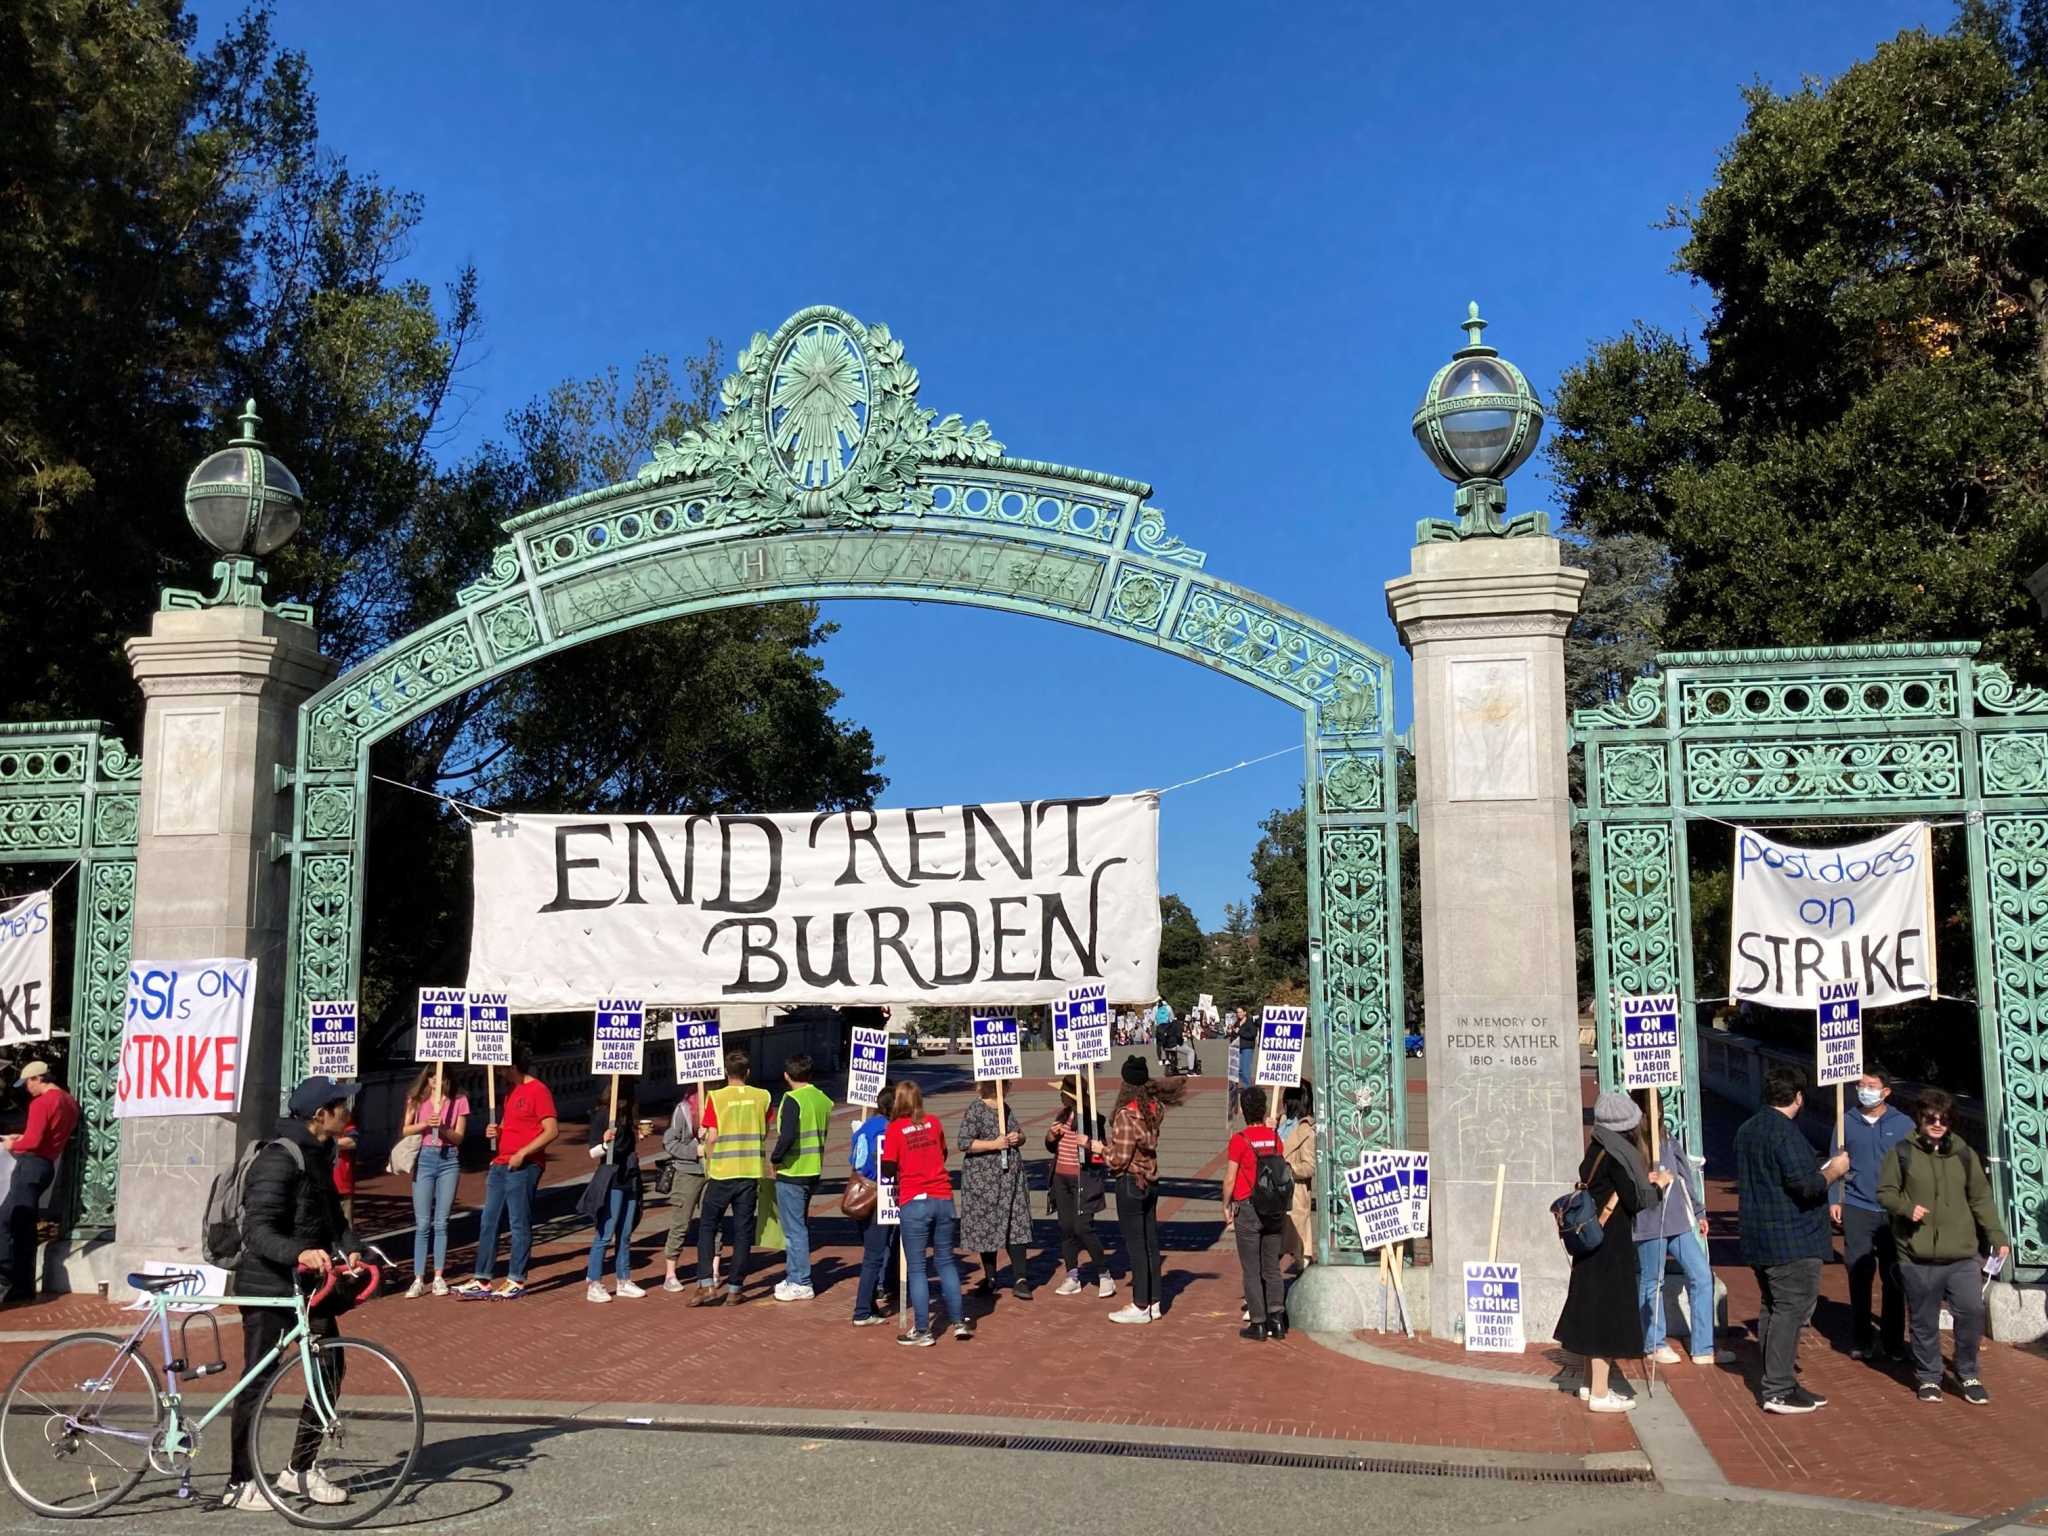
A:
[291,1219]
[1939,1198]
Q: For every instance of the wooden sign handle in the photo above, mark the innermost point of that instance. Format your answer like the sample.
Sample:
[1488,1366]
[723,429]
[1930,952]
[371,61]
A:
[1002,1126]
[1500,1184]
[1656,1128]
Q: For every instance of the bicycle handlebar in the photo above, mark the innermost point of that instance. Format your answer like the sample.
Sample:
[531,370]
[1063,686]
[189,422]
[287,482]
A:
[332,1277]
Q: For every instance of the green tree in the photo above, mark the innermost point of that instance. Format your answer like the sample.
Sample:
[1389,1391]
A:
[1855,451]
[1234,960]
[1183,954]
[1280,907]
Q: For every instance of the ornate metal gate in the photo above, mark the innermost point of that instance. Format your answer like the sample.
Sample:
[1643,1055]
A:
[822,477]
[1870,732]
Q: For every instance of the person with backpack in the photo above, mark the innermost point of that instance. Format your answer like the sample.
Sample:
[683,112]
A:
[286,1217]
[1258,1193]
[1133,1156]
[526,1128]
[1601,1320]
[1944,1219]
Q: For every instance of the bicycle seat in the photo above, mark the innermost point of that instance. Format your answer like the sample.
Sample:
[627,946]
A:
[155,1283]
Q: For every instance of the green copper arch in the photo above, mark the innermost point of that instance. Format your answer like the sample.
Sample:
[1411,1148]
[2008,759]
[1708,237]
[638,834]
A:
[821,478]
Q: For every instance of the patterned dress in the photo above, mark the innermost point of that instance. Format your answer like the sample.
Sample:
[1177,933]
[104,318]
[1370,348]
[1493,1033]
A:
[995,1204]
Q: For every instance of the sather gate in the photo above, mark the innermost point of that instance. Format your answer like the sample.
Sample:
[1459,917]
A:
[822,477]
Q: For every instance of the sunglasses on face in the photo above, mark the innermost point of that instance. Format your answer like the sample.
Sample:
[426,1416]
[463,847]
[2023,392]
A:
[1934,1119]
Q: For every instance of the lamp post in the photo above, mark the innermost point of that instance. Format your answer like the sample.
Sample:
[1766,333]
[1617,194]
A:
[245,504]
[1478,423]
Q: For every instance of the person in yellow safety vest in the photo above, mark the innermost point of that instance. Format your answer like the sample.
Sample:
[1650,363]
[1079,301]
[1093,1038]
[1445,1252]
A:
[799,1159]
[735,1130]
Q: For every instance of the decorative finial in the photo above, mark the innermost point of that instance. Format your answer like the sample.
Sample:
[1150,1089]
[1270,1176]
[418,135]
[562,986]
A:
[1475,328]
[251,421]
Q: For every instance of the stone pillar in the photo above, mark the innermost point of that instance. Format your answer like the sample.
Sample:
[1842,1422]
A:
[222,688]
[1485,620]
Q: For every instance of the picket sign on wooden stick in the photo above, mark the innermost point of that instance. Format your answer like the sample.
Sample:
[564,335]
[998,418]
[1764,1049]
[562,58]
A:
[491,1096]
[1400,1292]
[1657,1125]
[1500,1184]
[1002,1128]
[1841,1132]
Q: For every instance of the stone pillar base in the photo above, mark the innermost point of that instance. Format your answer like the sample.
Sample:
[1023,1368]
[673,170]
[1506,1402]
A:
[2019,1313]
[1342,1298]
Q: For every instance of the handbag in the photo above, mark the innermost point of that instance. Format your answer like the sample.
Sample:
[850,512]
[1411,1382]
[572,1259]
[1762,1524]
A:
[1580,1224]
[664,1175]
[860,1196]
[405,1155]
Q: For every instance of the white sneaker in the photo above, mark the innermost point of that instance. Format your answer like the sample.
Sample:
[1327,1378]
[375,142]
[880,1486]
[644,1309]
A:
[629,1290]
[1666,1355]
[1071,1286]
[439,1287]
[1156,1312]
[246,1496]
[787,1292]
[416,1290]
[1106,1286]
[1718,1357]
[312,1484]
[1610,1404]
[1132,1314]
[596,1292]
[673,1286]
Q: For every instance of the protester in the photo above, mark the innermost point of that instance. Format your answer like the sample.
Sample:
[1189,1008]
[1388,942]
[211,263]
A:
[878,1243]
[1674,1226]
[995,1201]
[291,1219]
[1784,1231]
[1943,1217]
[615,1145]
[1168,1037]
[439,1123]
[735,1133]
[799,1161]
[526,1128]
[1298,1146]
[914,1155]
[1244,1039]
[52,1117]
[1601,1320]
[1075,1190]
[1259,1238]
[1869,1133]
[1133,1156]
[686,1183]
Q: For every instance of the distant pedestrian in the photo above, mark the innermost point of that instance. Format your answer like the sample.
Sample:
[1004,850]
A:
[1934,1187]
[52,1117]
[1133,1156]
[615,1208]
[439,1122]
[1244,1039]
[995,1200]
[735,1148]
[345,1169]
[1783,1187]
[1869,1249]
[1298,1146]
[798,1158]
[1674,1226]
[878,1243]
[682,1141]
[914,1155]
[1259,1238]
[1601,1320]
[525,1129]
[1076,1189]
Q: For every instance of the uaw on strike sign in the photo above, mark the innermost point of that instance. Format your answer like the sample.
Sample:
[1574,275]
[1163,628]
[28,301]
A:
[979,905]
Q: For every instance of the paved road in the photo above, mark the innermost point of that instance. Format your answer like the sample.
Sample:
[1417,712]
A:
[560,1480]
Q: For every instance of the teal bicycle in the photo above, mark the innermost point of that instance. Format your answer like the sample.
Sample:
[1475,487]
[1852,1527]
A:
[89,1415]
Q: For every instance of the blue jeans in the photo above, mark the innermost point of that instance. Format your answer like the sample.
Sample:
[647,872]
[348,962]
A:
[929,1224]
[508,1193]
[433,1197]
[877,1254]
[1699,1286]
[1247,1064]
[793,1210]
[621,1216]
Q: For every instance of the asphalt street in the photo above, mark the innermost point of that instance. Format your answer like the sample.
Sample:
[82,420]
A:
[559,1479]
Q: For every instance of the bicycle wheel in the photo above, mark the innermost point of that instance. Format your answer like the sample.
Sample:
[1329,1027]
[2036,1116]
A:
[334,1449]
[76,1424]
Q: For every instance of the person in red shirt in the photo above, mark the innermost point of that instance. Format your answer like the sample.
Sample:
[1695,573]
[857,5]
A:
[345,1169]
[914,1155]
[1258,1240]
[52,1117]
[526,1126]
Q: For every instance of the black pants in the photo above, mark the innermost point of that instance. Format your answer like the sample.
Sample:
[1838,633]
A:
[1137,1216]
[262,1327]
[739,1195]
[1789,1292]
[1077,1225]
[18,1214]
[1019,1265]
[1872,1253]
[1258,1255]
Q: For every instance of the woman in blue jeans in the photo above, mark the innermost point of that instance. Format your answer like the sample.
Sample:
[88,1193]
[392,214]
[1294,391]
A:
[439,1123]
[1674,1227]
[616,1146]
[914,1155]
[877,1242]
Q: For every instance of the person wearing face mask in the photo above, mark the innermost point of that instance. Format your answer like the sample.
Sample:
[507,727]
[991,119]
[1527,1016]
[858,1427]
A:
[1934,1186]
[1869,1132]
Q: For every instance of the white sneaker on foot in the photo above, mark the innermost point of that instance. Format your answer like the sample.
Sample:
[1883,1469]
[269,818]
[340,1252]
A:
[1156,1312]
[415,1291]
[1666,1355]
[1610,1404]
[1131,1314]
[1071,1286]
[1718,1357]
[629,1290]
[672,1285]
[595,1292]
[244,1496]
[1106,1286]
[439,1287]
[311,1484]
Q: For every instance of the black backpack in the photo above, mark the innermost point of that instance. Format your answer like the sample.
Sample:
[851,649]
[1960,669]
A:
[1272,1189]
[221,1238]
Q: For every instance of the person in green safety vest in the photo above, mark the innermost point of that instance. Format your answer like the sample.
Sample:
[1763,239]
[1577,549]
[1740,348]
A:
[799,1160]
[735,1131]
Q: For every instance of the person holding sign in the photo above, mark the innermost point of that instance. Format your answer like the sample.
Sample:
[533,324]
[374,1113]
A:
[914,1155]
[1944,1217]
[1133,1156]
[1601,1320]
[683,1143]
[1674,1227]
[995,1203]
[439,1121]
[735,1136]
[878,1239]
[1076,1190]
[612,1199]
[526,1128]
[1869,1132]
[799,1160]
[1259,1236]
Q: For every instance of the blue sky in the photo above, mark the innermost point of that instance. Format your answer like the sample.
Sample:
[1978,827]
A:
[1219,248]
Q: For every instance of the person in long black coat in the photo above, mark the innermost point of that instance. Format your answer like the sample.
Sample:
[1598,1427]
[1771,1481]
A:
[1602,1318]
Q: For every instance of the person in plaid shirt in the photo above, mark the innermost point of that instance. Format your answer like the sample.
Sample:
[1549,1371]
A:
[1784,1192]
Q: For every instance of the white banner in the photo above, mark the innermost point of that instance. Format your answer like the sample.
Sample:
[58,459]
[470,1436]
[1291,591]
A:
[333,1040]
[965,905]
[25,969]
[1805,916]
[184,1037]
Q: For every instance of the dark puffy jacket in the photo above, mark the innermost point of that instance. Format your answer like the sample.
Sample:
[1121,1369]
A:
[286,1211]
